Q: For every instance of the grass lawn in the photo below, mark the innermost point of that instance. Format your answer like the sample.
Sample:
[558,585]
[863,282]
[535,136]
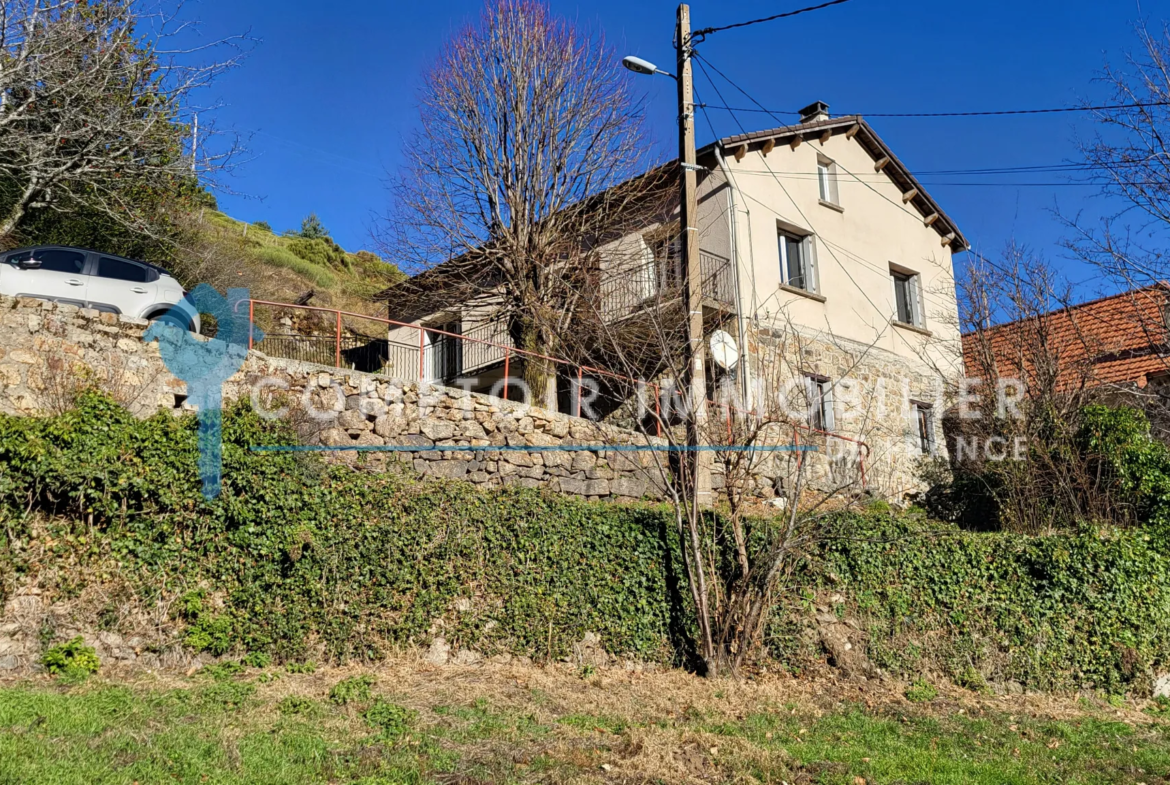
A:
[410,723]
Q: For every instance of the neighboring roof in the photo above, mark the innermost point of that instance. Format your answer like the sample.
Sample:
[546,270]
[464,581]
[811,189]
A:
[1120,339]
[872,144]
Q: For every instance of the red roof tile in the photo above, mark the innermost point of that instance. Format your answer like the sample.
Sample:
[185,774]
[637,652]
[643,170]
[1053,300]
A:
[1120,339]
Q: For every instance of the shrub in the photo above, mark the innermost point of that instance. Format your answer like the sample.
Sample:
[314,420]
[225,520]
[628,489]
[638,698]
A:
[396,552]
[921,691]
[321,252]
[355,689]
[222,671]
[300,667]
[389,719]
[290,539]
[257,659]
[1088,609]
[71,659]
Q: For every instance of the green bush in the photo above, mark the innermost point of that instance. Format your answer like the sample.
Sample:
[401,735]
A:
[297,551]
[389,719]
[355,689]
[1066,611]
[921,691]
[322,252]
[361,563]
[72,658]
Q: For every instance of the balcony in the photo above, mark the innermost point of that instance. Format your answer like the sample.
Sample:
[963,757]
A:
[629,291]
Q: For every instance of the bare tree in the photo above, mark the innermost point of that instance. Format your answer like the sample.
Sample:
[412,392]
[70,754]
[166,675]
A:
[736,561]
[95,113]
[1038,362]
[1129,158]
[524,120]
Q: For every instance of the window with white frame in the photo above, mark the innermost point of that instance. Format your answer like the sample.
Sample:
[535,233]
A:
[907,297]
[797,266]
[827,180]
[924,426]
[819,392]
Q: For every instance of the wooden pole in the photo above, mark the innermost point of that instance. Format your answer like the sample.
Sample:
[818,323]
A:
[692,274]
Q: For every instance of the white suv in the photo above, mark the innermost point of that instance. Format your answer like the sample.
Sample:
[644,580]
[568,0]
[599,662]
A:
[96,280]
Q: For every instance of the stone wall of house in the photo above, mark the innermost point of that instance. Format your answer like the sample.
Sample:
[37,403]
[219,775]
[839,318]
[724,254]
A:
[48,349]
[873,395]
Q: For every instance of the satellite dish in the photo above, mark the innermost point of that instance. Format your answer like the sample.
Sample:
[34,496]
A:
[723,350]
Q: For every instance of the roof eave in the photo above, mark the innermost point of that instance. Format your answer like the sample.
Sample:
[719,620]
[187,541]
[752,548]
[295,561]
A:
[877,149]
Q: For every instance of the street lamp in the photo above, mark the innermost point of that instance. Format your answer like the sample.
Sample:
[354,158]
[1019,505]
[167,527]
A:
[640,66]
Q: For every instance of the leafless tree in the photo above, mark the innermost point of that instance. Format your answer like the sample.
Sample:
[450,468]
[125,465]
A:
[526,124]
[97,104]
[1129,158]
[738,560]
[1035,362]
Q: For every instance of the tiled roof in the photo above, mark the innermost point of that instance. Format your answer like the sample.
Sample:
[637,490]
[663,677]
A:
[1121,339]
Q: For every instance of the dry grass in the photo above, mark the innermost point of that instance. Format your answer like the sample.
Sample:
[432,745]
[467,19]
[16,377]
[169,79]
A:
[505,721]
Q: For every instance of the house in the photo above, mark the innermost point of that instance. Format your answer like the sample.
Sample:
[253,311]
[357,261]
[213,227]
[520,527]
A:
[1118,342]
[824,261]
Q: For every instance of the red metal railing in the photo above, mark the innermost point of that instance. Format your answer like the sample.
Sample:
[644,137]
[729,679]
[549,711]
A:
[509,352]
[458,340]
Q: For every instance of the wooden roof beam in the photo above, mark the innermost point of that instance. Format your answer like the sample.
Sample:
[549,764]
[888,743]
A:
[826,136]
[740,152]
[909,195]
[769,145]
[796,140]
[881,163]
[948,239]
[930,219]
[853,130]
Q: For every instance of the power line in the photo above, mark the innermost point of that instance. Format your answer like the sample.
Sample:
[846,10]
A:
[987,113]
[708,30]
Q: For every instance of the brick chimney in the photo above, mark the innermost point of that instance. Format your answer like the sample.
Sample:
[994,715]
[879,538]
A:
[814,112]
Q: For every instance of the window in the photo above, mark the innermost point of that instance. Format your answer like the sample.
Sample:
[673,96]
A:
[796,264]
[827,180]
[819,391]
[907,297]
[924,424]
[122,270]
[60,261]
[667,262]
[445,352]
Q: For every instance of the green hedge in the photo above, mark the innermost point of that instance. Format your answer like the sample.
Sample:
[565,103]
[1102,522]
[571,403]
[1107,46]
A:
[1063,611]
[294,553]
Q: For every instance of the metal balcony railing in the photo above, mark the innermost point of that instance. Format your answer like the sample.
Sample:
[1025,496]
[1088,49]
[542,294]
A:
[626,291]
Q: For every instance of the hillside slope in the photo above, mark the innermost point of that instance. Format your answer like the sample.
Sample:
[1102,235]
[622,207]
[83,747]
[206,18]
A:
[287,267]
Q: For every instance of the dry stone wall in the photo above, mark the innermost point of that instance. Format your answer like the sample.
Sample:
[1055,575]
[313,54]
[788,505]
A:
[48,349]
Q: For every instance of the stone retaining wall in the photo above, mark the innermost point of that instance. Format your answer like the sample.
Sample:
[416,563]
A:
[48,349]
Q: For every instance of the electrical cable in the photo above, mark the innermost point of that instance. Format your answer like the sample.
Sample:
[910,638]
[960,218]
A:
[984,113]
[700,34]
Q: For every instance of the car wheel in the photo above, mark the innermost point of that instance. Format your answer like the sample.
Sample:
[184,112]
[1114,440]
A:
[173,318]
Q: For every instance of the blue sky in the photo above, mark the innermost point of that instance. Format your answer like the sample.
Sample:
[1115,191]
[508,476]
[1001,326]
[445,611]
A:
[328,95]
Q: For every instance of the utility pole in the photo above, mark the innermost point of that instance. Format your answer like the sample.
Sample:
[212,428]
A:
[700,460]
